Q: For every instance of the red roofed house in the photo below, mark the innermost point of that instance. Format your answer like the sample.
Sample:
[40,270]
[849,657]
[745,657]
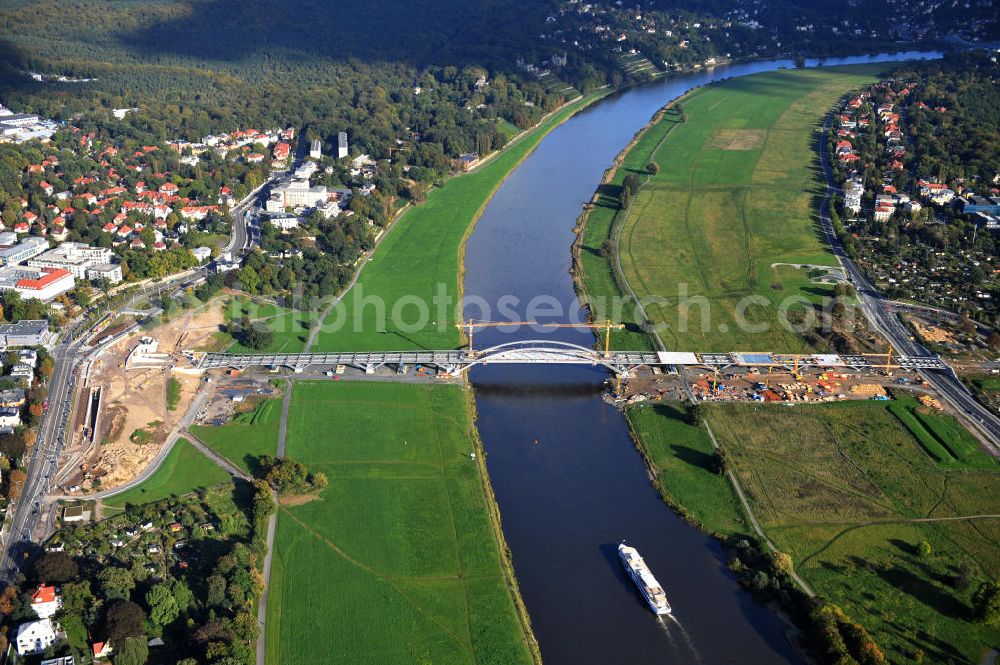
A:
[125,231]
[45,601]
[101,650]
[22,227]
[168,188]
[46,187]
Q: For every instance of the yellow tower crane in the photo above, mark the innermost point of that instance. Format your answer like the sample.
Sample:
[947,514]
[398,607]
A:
[607,325]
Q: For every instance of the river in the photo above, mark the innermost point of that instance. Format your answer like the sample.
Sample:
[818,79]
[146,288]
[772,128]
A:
[568,480]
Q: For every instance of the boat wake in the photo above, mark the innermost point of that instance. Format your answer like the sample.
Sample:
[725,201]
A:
[671,624]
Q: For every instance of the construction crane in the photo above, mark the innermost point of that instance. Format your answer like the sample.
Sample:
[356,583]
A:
[607,325]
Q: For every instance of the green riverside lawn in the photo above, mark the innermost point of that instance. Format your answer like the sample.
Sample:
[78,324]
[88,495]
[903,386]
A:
[837,486]
[735,194]
[184,470]
[396,561]
[247,436]
[421,252]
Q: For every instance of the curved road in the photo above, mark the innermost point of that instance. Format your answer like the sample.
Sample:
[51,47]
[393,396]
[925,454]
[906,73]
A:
[882,315]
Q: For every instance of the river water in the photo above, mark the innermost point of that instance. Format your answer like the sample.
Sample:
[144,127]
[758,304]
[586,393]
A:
[568,480]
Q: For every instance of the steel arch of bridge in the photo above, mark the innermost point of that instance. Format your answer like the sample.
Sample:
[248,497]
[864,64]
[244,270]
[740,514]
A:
[538,351]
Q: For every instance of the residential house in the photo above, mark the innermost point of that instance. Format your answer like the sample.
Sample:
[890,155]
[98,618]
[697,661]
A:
[10,418]
[45,601]
[35,637]
[101,650]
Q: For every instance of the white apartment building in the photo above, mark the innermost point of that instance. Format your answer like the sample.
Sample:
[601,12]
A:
[35,636]
[74,257]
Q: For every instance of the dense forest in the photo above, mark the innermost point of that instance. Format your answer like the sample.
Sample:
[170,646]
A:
[410,68]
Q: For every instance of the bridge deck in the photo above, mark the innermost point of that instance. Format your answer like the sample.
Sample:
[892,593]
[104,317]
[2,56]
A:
[457,360]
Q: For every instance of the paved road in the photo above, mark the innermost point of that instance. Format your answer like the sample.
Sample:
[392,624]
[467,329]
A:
[244,230]
[44,459]
[68,356]
[882,316]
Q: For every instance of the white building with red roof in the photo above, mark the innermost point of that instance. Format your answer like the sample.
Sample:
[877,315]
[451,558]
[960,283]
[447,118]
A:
[45,601]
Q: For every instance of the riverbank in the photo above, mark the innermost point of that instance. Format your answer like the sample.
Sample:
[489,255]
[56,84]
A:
[420,263]
[399,559]
[868,516]
[730,202]
[787,462]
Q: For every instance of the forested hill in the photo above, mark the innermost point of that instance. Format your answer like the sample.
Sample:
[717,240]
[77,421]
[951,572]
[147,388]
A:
[200,66]
[415,32]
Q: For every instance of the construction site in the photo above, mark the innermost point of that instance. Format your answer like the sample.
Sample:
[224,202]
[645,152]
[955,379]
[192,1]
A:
[788,383]
[133,395]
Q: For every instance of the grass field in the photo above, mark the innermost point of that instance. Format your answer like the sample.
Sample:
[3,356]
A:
[183,471]
[396,561]
[420,259]
[290,327]
[247,436]
[839,487]
[680,455]
[735,194]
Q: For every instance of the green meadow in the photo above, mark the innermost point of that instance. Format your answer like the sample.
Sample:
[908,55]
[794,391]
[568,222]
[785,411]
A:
[291,327]
[845,489]
[735,195]
[247,436]
[396,561]
[183,471]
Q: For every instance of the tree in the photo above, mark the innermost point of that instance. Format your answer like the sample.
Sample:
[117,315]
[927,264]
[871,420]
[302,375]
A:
[46,366]
[15,481]
[9,600]
[924,549]
[78,600]
[132,652]
[782,563]
[56,568]
[257,338]
[123,620]
[216,593]
[182,594]
[719,461]
[993,341]
[163,608]
[652,168]
[116,582]
[696,415]
[986,603]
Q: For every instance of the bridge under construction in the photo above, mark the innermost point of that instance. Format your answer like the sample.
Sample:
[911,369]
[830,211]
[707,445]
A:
[549,352]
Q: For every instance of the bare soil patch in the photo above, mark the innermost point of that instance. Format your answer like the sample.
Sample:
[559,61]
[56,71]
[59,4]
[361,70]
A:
[298,499]
[136,400]
[737,139]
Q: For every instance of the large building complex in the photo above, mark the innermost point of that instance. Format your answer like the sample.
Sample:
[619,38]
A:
[297,192]
[25,333]
[41,283]
[12,255]
[80,260]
